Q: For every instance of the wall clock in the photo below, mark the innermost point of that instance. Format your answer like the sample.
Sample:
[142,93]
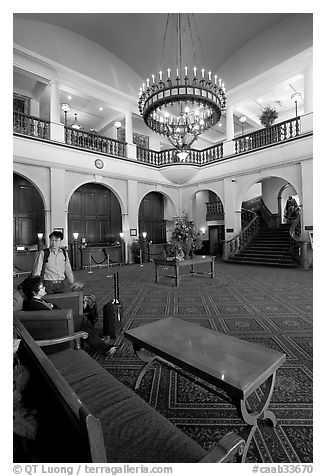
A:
[99,163]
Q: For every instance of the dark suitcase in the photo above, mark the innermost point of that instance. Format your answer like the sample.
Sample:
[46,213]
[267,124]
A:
[112,312]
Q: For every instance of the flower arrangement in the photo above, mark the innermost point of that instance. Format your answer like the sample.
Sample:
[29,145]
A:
[268,116]
[185,236]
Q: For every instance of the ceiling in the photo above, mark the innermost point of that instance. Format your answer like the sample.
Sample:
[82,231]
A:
[137,39]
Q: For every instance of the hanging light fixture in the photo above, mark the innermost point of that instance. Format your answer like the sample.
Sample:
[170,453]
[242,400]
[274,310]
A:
[75,124]
[181,107]
[242,119]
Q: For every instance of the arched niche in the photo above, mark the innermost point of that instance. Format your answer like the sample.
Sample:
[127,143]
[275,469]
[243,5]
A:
[94,213]
[151,217]
[28,212]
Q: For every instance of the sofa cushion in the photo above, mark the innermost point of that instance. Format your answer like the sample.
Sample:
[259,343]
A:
[133,431]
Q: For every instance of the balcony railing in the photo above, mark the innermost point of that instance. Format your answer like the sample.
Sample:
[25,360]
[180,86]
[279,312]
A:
[95,142]
[270,135]
[31,125]
[214,211]
[36,127]
[169,156]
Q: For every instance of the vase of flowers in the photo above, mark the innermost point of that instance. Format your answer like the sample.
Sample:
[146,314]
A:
[268,116]
[185,237]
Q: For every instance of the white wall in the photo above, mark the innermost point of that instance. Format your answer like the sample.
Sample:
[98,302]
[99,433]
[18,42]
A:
[269,49]
[76,52]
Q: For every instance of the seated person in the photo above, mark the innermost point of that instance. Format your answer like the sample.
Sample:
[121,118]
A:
[34,292]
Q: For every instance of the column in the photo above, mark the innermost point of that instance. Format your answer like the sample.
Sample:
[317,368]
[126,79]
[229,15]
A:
[58,206]
[308,90]
[132,215]
[56,128]
[131,147]
[228,146]
[229,123]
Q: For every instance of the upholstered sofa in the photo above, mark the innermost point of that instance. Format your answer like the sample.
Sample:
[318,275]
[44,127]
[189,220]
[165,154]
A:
[85,414]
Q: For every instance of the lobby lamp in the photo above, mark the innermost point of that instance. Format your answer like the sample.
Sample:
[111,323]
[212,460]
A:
[65,108]
[40,241]
[75,249]
[122,246]
[75,124]
[117,125]
[184,104]
[242,119]
[296,97]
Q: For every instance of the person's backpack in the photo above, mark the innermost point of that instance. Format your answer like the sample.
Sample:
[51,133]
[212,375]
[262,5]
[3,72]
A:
[90,308]
[46,257]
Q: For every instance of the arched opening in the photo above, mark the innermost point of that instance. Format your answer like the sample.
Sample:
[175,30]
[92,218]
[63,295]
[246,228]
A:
[94,213]
[268,197]
[28,213]
[207,212]
[151,217]
[28,221]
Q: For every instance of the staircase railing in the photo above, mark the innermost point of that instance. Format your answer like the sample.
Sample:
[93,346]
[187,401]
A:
[297,246]
[242,239]
[272,219]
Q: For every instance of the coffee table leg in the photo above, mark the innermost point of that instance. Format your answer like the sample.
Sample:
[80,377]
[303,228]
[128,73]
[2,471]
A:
[260,413]
[177,277]
[156,273]
[143,371]
[212,269]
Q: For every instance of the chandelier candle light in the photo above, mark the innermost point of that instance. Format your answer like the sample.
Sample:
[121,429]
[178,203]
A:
[183,106]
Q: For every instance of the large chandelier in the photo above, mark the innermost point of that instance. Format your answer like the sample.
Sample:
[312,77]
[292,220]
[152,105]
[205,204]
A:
[182,107]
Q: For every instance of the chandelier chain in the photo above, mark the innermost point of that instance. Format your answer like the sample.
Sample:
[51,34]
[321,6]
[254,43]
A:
[199,40]
[164,39]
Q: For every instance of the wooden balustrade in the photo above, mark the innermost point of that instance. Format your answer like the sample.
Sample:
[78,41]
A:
[31,125]
[269,135]
[169,156]
[296,241]
[91,141]
[36,127]
[242,239]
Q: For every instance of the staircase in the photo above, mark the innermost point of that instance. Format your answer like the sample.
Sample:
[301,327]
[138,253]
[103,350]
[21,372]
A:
[270,247]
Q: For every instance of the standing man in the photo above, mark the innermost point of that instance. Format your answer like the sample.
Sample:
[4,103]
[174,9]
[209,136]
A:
[53,265]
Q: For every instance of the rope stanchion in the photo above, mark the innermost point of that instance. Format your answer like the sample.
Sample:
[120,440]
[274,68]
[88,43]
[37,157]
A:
[90,264]
[109,275]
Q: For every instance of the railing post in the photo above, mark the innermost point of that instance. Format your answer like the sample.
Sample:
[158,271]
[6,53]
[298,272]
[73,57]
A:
[225,251]
[131,151]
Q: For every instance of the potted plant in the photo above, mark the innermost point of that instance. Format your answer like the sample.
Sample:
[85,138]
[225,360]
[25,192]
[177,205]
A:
[268,116]
[185,237]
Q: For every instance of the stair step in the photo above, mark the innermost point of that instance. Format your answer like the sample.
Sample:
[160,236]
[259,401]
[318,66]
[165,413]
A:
[263,259]
[262,263]
[267,254]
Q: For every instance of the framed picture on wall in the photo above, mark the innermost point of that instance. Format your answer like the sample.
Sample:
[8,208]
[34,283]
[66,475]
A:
[133,232]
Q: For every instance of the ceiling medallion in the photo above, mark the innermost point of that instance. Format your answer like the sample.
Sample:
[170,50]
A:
[183,107]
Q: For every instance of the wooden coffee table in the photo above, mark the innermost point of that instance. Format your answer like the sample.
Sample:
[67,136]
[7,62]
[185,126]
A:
[232,367]
[176,265]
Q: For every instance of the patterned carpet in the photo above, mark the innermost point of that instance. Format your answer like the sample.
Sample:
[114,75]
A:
[269,306]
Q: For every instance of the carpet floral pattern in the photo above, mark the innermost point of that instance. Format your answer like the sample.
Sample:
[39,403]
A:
[268,306]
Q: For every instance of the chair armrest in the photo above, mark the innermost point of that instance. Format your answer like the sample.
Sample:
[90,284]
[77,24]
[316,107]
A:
[59,340]
[229,446]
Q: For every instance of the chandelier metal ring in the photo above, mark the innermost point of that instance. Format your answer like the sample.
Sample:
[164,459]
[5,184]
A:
[184,107]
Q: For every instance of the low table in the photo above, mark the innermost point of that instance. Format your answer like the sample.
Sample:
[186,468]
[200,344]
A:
[180,264]
[234,367]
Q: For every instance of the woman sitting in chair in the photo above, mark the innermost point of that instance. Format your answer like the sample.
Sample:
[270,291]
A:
[34,292]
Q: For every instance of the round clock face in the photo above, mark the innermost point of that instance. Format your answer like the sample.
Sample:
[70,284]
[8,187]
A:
[99,163]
